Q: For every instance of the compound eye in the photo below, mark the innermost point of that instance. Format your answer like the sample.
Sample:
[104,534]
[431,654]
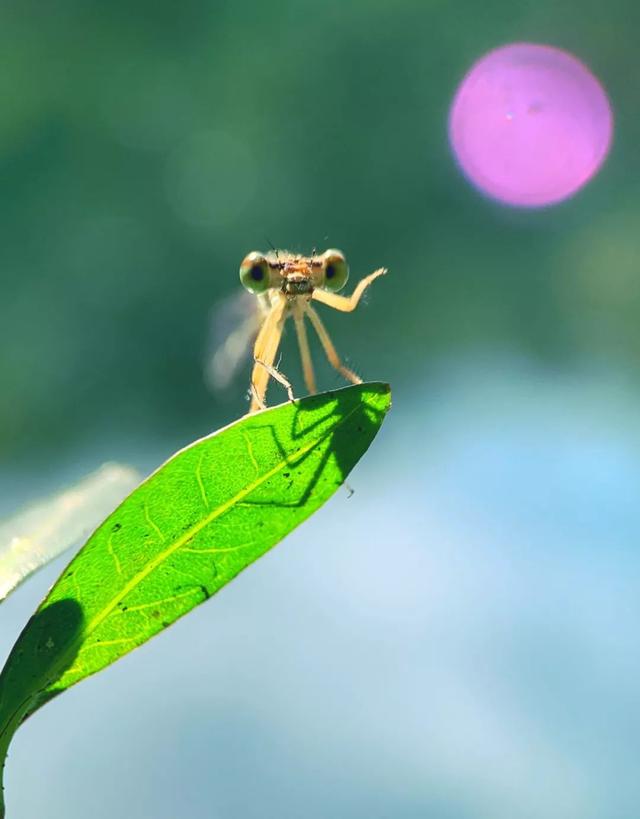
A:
[254,273]
[336,270]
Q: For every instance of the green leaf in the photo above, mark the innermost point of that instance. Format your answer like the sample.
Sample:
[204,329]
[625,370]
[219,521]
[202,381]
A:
[38,534]
[185,532]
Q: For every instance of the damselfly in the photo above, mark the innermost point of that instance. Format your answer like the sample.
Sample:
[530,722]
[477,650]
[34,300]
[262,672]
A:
[285,284]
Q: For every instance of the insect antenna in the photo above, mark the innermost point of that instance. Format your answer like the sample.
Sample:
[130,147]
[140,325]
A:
[275,251]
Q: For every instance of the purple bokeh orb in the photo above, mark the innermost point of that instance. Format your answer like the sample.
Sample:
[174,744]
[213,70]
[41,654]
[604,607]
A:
[530,124]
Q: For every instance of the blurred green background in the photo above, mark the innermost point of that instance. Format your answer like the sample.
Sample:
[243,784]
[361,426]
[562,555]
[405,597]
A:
[146,147]
[460,640]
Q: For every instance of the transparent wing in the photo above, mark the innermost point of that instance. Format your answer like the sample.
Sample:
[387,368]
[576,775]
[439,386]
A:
[45,529]
[234,323]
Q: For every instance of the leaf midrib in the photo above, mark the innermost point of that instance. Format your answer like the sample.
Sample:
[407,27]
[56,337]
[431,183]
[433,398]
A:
[135,581]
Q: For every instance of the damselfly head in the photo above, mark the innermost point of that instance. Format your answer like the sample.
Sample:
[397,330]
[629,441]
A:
[293,274]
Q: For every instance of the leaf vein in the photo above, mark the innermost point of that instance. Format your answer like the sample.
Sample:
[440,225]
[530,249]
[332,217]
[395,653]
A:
[203,491]
[152,523]
[115,557]
[252,457]
[172,598]
[215,551]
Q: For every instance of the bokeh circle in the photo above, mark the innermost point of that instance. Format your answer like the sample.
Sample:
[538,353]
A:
[530,124]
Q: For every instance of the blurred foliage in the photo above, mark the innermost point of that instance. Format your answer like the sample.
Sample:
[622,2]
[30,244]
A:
[146,147]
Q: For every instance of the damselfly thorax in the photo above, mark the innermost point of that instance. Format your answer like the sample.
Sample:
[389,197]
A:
[285,285]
